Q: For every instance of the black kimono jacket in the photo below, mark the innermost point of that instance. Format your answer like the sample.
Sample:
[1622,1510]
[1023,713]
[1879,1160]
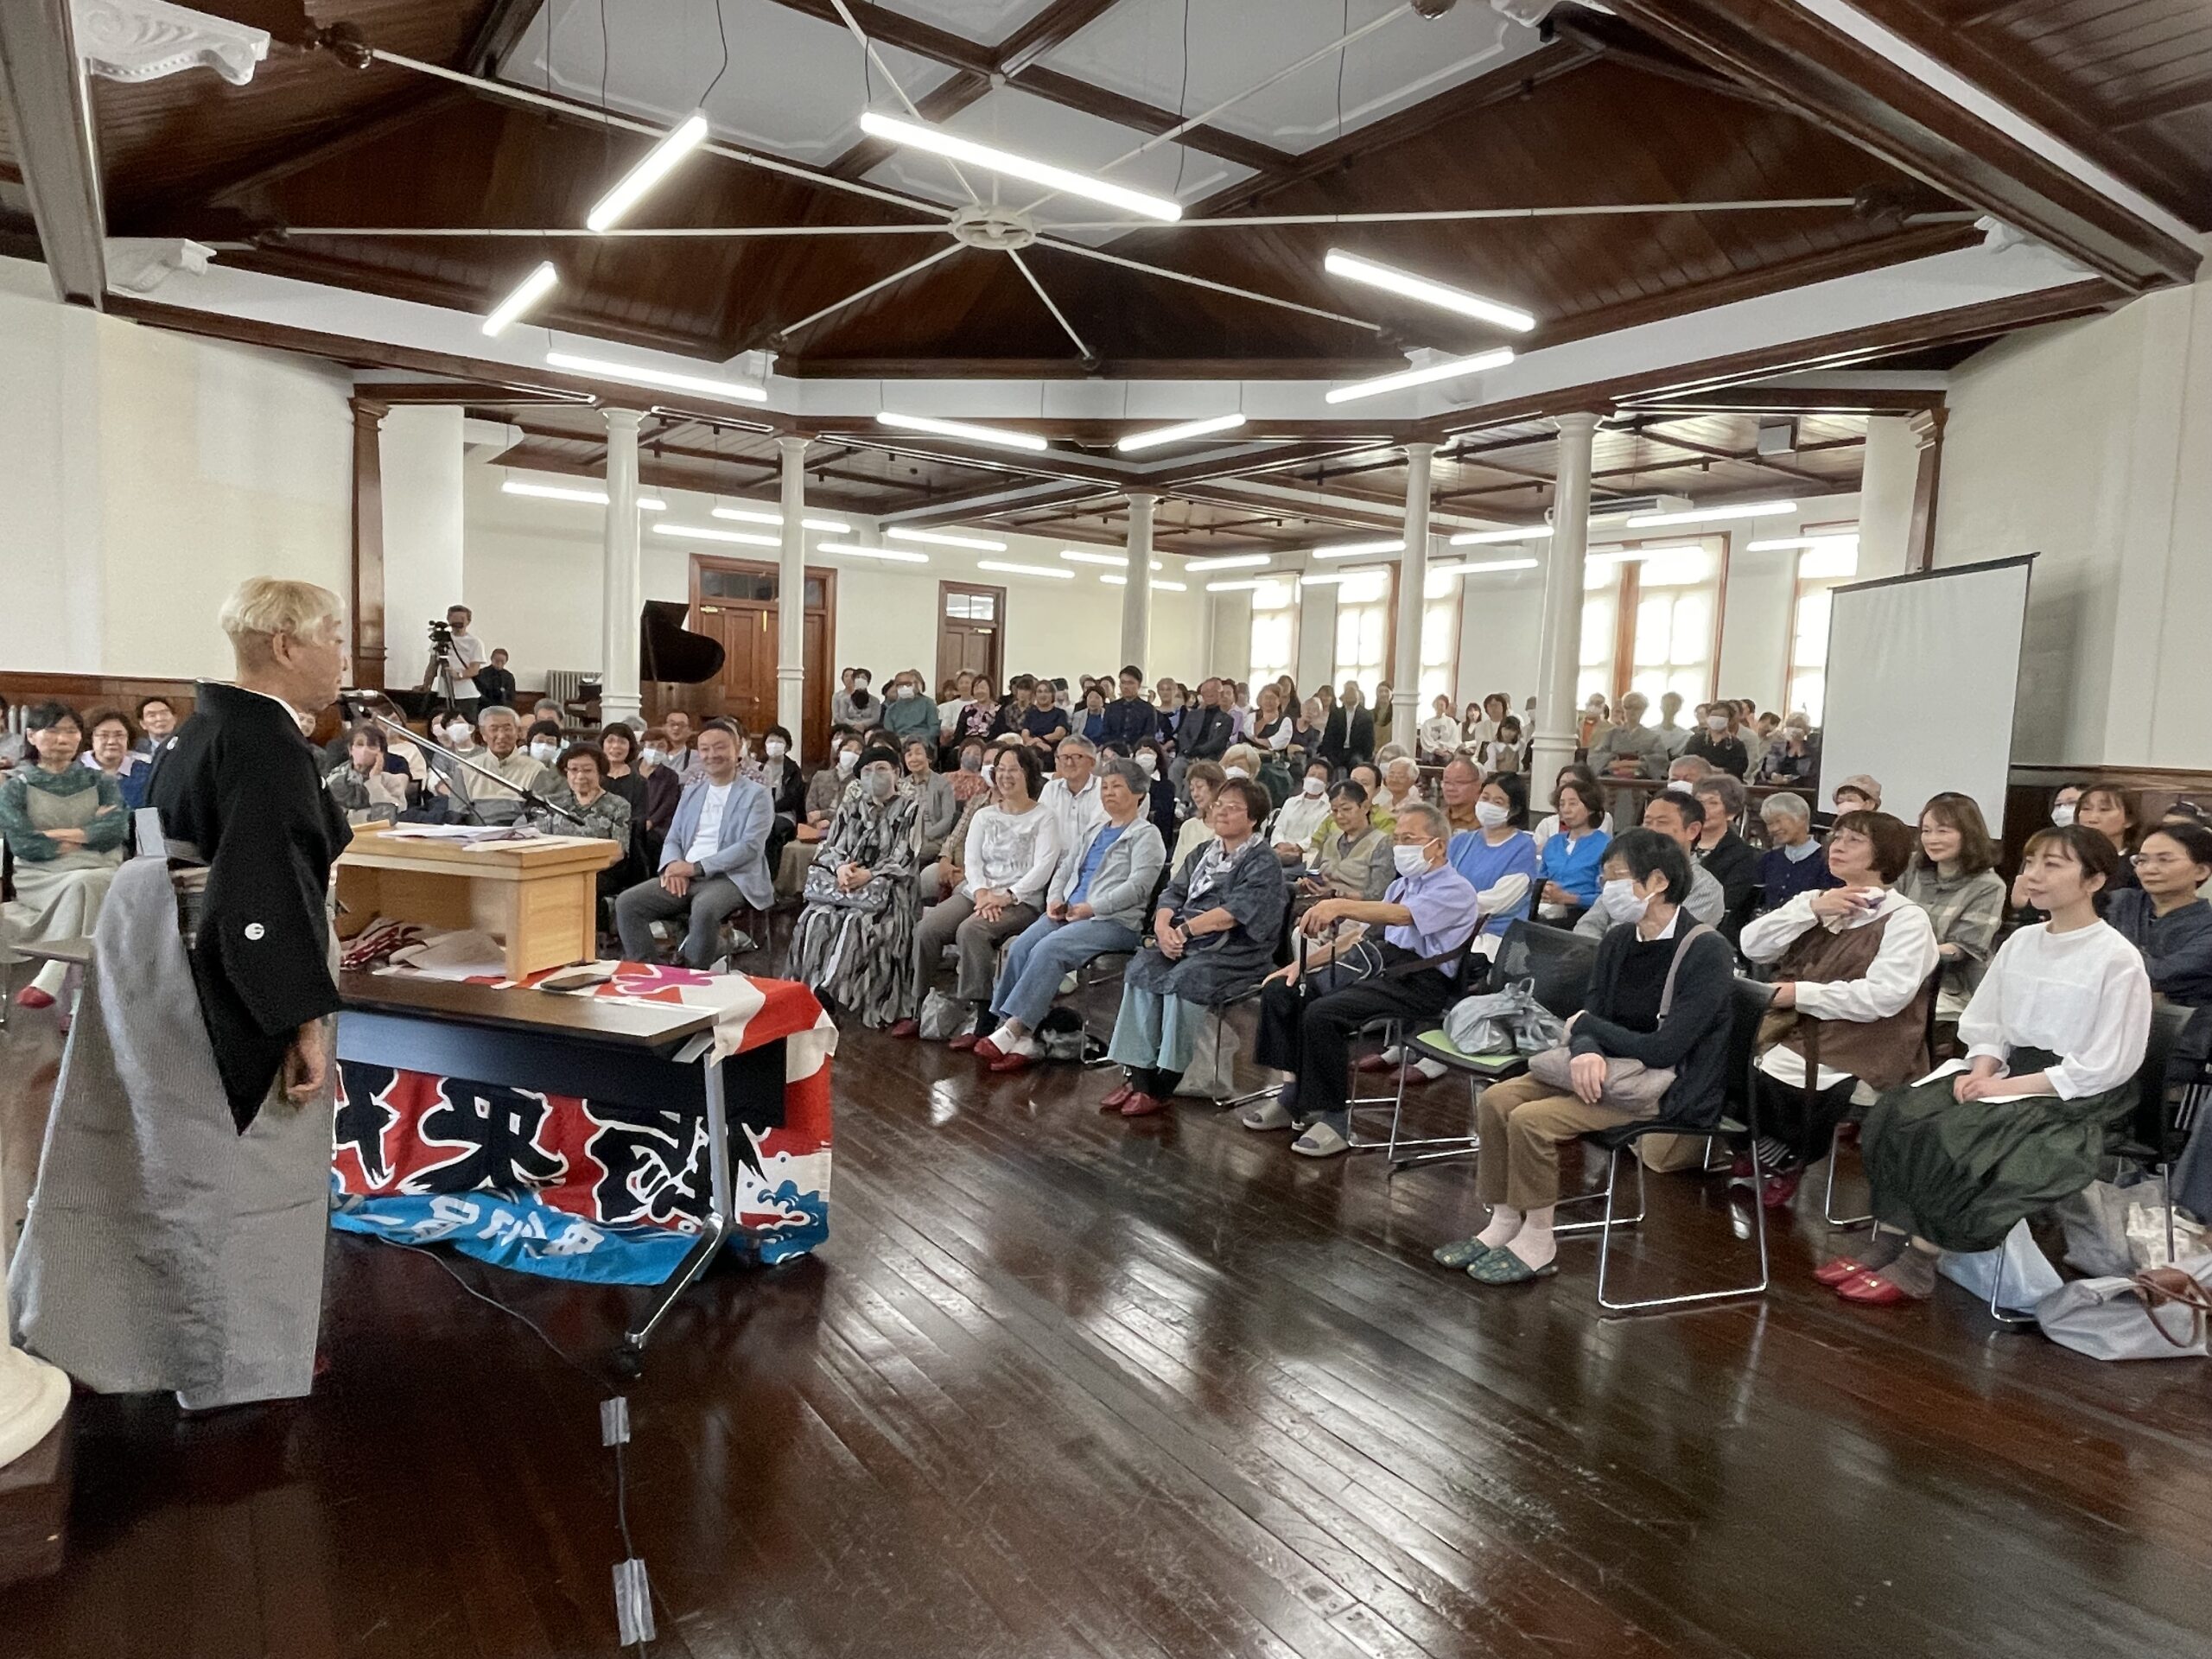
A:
[239,783]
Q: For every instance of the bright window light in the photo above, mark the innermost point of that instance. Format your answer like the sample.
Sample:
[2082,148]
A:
[1165,435]
[897,555]
[1475,567]
[973,434]
[1340,263]
[655,165]
[1801,544]
[939,538]
[527,292]
[1451,369]
[939,142]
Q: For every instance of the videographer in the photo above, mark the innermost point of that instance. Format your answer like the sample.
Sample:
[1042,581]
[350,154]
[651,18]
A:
[459,655]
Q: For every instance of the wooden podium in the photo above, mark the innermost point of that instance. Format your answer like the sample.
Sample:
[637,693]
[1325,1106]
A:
[539,897]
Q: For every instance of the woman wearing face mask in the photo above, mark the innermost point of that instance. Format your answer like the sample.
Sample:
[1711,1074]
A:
[1299,819]
[853,941]
[1719,743]
[909,713]
[1954,878]
[1630,1013]
[362,786]
[1160,792]
[830,784]
[544,741]
[664,792]
[2065,803]
[2109,812]
[1793,756]
[1498,848]
[858,707]
[936,806]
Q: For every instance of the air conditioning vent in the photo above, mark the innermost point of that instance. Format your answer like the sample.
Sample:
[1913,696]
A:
[1619,506]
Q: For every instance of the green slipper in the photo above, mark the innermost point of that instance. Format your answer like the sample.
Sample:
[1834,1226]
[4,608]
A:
[1461,1252]
[1504,1268]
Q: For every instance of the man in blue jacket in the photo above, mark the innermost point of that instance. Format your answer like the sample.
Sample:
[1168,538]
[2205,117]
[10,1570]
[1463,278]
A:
[713,860]
[1129,718]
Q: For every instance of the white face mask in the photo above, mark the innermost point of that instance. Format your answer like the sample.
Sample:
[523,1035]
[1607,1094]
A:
[907,691]
[1237,771]
[1680,786]
[1148,761]
[457,735]
[654,757]
[1315,788]
[1621,899]
[848,758]
[543,752]
[1491,814]
[1410,861]
[776,746]
[2062,814]
[1716,722]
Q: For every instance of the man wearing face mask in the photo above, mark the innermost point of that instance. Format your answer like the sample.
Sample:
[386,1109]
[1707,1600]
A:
[1397,957]
[1681,818]
[499,802]
[713,860]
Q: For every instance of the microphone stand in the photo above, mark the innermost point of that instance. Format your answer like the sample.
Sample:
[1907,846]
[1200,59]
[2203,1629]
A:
[360,700]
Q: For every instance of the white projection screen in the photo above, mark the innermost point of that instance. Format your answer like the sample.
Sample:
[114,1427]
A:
[1922,672]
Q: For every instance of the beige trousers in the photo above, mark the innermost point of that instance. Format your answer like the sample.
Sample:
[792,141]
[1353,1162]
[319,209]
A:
[1522,1123]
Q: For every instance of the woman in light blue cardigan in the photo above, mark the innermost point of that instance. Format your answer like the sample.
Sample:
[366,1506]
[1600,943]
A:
[1096,904]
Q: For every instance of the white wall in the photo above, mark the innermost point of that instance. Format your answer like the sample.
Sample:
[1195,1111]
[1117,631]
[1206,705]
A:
[2090,444]
[419,455]
[142,475]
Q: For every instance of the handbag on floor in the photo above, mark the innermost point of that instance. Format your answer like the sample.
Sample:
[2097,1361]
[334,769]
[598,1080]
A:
[1631,1085]
[1212,1074]
[944,1017]
[2029,1276]
[2159,1314]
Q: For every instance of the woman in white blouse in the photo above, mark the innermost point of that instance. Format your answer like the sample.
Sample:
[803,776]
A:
[1300,818]
[1012,848]
[2054,1038]
[1439,732]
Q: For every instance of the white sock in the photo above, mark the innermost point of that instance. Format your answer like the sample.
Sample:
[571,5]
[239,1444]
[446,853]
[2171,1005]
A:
[1534,1243]
[1005,1037]
[1504,1224]
[51,978]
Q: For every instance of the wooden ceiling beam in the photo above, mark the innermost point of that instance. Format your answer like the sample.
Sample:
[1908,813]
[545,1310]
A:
[1047,31]
[1650,434]
[395,393]
[1832,81]
[1069,368]
[341,137]
[1790,400]
[501,33]
[49,121]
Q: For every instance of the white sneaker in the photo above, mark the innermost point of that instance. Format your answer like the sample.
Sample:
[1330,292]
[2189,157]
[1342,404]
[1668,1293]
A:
[1320,1141]
[1267,1114]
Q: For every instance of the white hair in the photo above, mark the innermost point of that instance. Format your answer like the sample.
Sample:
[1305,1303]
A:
[1786,806]
[261,608]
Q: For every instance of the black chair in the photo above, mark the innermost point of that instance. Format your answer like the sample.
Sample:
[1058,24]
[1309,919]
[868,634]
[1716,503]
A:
[1933,989]
[1747,1007]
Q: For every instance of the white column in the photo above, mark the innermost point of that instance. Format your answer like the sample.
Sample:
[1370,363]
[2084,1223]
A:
[1413,592]
[1560,643]
[419,466]
[618,696]
[790,599]
[1887,479]
[1137,598]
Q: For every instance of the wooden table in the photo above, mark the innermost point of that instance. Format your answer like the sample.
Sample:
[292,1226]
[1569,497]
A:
[538,898]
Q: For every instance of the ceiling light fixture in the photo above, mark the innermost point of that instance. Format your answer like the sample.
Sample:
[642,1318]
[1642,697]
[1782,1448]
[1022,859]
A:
[1165,435]
[1475,567]
[1237,587]
[1802,544]
[636,375]
[898,555]
[655,165]
[1699,515]
[702,533]
[1327,579]
[1119,561]
[1358,550]
[1493,538]
[1340,263]
[941,539]
[1631,555]
[1231,562]
[939,142]
[999,436]
[564,493]
[1025,570]
[527,292]
[754,516]
[1123,582]
[1450,369]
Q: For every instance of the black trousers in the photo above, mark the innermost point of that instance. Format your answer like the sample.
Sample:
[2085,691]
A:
[1807,1128]
[1310,1036]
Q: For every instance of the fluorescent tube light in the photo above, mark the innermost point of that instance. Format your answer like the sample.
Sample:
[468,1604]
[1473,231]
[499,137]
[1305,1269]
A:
[941,539]
[1340,263]
[1231,562]
[1358,550]
[1473,567]
[939,142]
[1164,434]
[1451,369]
[1123,582]
[702,533]
[898,554]
[755,516]
[1026,570]
[998,435]
[563,492]
[1326,579]
[1699,515]
[705,385]
[654,166]
[1631,555]
[1245,586]
[1801,544]
[1492,538]
[527,292]
[1119,561]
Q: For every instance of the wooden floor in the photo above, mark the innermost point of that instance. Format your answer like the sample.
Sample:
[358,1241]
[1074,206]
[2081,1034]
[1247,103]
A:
[1063,1386]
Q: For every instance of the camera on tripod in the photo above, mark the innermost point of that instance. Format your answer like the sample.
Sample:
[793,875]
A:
[440,635]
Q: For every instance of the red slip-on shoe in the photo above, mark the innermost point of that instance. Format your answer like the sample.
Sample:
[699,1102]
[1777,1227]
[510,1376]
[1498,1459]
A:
[31,997]
[1008,1063]
[1372,1063]
[1782,1187]
[905,1028]
[963,1042]
[988,1050]
[1143,1105]
[1119,1098]
[1834,1273]
[1871,1290]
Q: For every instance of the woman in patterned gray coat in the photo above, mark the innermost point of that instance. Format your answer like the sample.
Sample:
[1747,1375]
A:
[854,943]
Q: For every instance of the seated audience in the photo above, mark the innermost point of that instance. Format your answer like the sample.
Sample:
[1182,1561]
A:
[1204,779]
[1214,936]
[1498,847]
[1680,817]
[1457,791]
[1548,826]
[1730,861]
[779,774]
[2164,917]
[1270,728]
[157,723]
[1670,725]
[1569,860]
[1306,1028]
[1159,791]
[1044,722]
[1595,721]
[683,756]
[1660,993]
[1503,752]
[852,704]
[1793,756]
[1072,795]
[66,826]
[109,750]
[1307,722]
[1857,793]
[1954,878]
[360,784]
[494,684]
[828,787]
[1368,777]
[1012,848]
[1094,906]
[2111,813]
[1400,783]
[1129,718]
[1351,858]
[1349,735]
[1852,962]
[1299,818]
[663,792]
[854,940]
[714,862]
[2055,1037]
[546,741]
[2065,803]
[1631,749]
[1794,861]
[910,716]
[1089,715]
[978,717]
[605,815]
[498,799]
[937,808]
[1721,743]
[945,875]
[1439,739]
[618,746]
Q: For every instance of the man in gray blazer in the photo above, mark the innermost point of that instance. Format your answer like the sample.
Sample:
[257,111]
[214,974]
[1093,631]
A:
[1095,904]
[715,858]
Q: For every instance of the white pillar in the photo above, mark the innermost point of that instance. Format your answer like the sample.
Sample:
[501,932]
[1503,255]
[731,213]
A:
[1887,479]
[420,468]
[1137,598]
[790,599]
[618,696]
[1413,593]
[1559,642]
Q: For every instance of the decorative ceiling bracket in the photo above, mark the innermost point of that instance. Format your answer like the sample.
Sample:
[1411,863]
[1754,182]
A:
[148,40]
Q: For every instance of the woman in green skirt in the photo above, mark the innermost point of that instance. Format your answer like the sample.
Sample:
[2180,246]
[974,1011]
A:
[2054,1037]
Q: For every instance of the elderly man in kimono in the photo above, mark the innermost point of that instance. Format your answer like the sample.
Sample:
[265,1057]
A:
[1214,934]
[175,1241]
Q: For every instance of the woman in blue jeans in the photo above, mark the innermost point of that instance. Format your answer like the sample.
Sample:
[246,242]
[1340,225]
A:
[1096,903]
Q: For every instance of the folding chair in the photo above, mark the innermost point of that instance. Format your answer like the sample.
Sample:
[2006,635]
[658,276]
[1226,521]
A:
[1931,988]
[1283,945]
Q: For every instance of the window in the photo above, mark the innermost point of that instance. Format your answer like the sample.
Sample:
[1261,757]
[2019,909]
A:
[1651,620]
[1362,629]
[1274,632]
[1439,639]
[1821,569]
[968,606]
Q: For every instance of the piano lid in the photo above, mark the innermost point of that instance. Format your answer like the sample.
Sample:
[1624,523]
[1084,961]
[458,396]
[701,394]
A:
[669,651]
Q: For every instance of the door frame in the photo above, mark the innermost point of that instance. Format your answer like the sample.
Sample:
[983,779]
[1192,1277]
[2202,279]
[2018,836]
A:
[948,585]
[815,736]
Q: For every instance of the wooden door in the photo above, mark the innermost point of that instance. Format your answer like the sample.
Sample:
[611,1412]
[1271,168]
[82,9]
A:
[736,601]
[970,631]
[747,684]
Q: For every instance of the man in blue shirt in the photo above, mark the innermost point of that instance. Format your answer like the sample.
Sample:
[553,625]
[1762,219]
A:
[1429,912]
[1129,718]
